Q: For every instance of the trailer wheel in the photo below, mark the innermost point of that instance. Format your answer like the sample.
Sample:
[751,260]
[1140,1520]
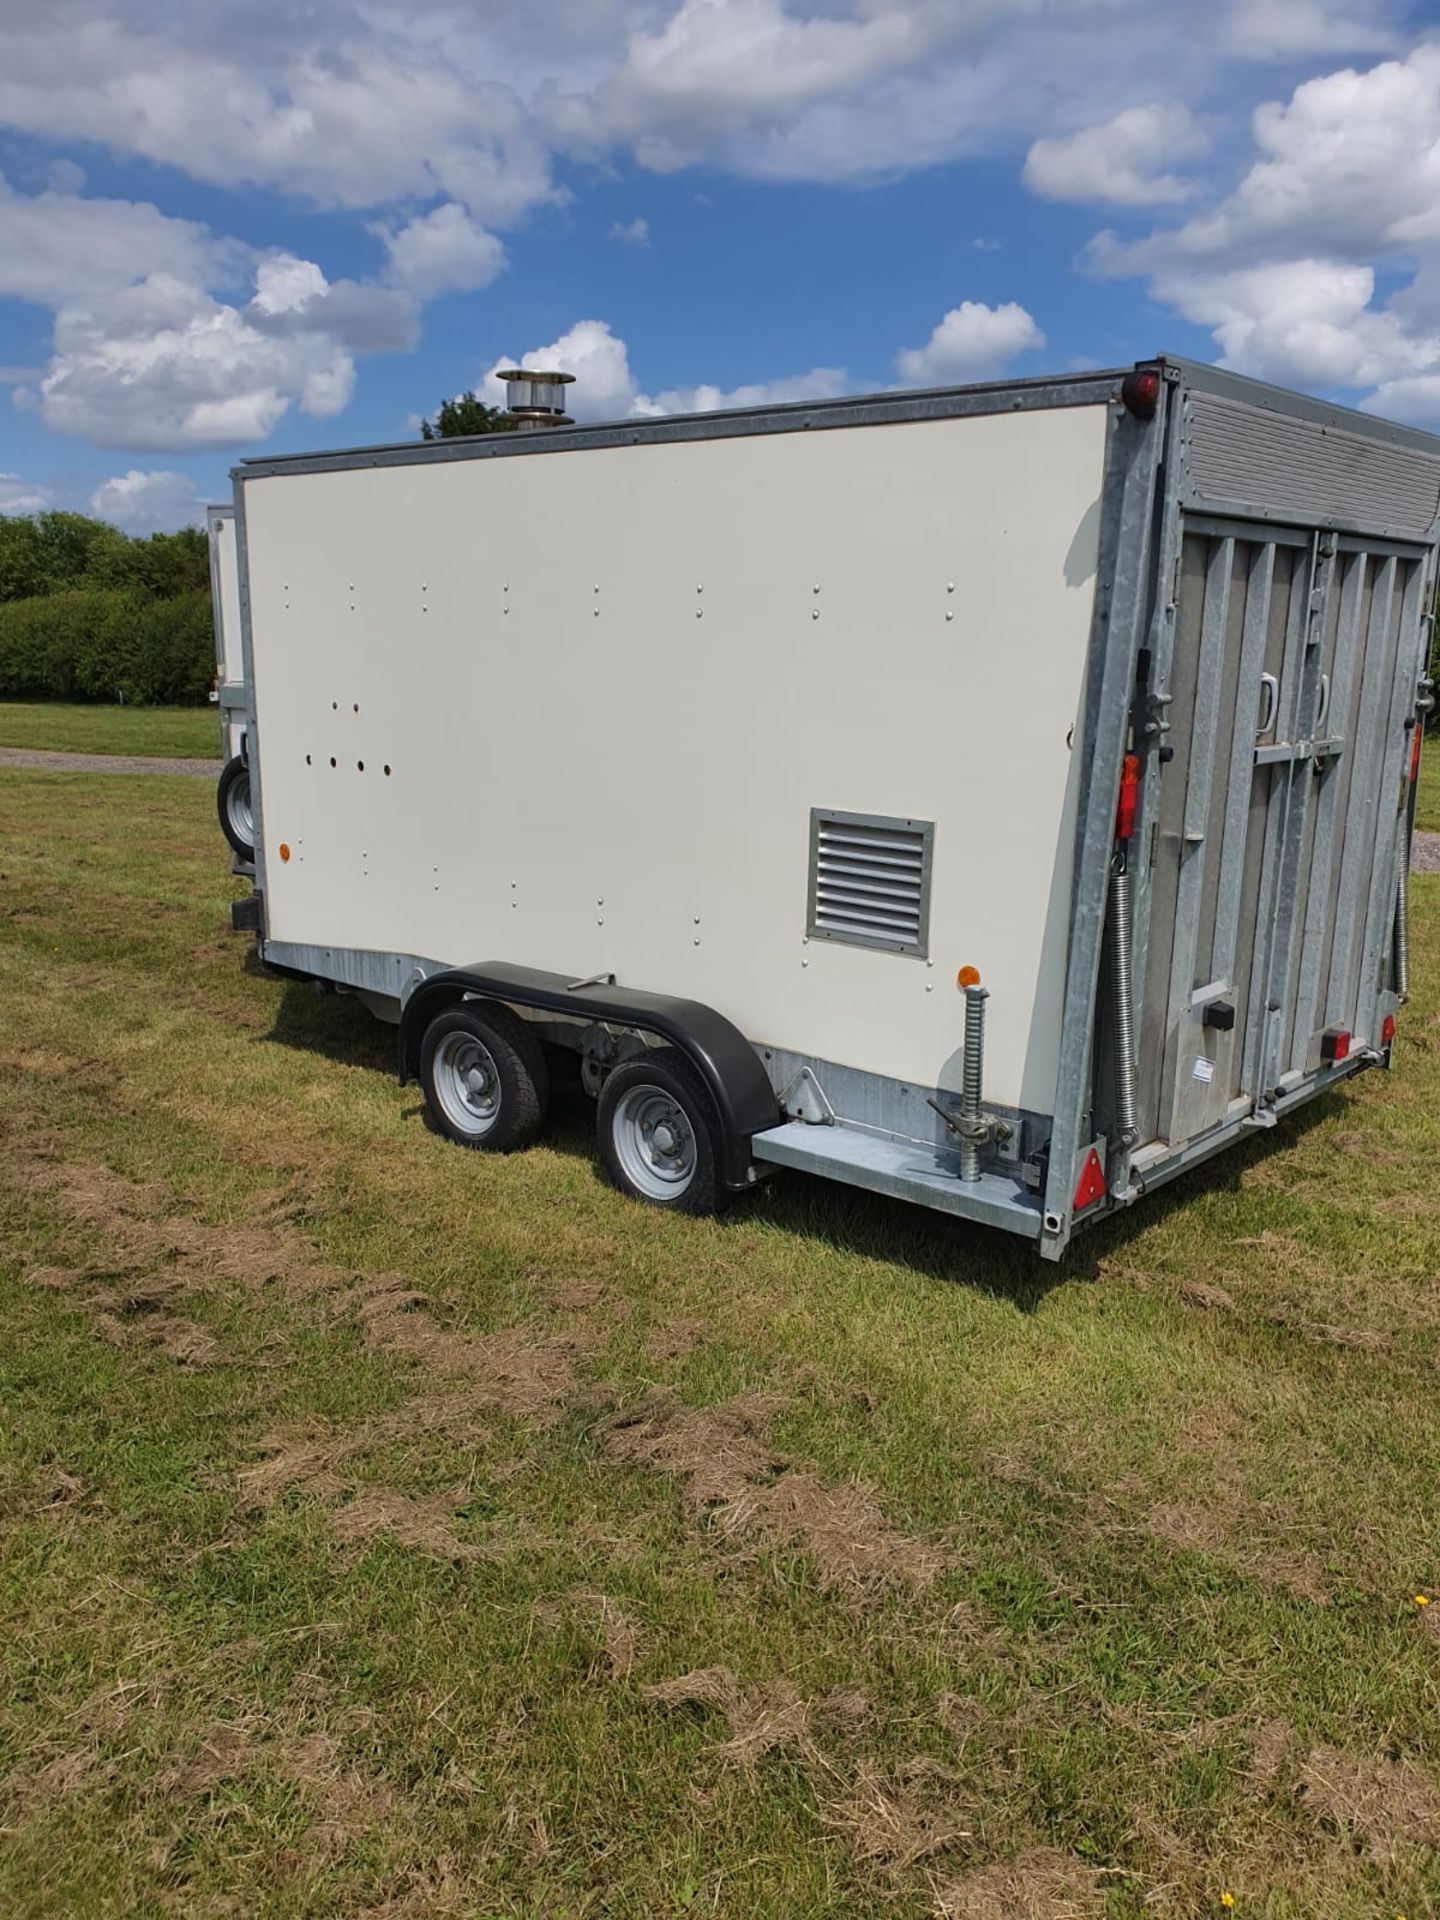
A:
[237,820]
[658,1136]
[485,1078]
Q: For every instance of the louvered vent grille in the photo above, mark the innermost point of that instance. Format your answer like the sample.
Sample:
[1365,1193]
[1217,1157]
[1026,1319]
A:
[870,880]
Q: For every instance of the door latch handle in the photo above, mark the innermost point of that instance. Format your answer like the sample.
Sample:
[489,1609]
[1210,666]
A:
[1269,703]
[1324,708]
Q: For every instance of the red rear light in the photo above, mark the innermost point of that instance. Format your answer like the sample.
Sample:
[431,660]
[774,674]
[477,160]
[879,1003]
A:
[1335,1045]
[1129,796]
[1091,1185]
[1141,392]
[1387,1030]
[1415,754]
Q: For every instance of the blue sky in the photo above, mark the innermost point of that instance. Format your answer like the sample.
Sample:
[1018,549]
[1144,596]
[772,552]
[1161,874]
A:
[223,234]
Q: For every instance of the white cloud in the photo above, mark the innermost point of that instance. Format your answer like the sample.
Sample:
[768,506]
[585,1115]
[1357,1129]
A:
[972,342]
[20,496]
[1346,176]
[1416,400]
[56,247]
[631,233]
[145,354]
[606,389]
[350,108]
[604,386]
[384,104]
[399,102]
[821,383]
[165,366]
[1121,162]
[444,251]
[156,502]
[65,176]
[1281,29]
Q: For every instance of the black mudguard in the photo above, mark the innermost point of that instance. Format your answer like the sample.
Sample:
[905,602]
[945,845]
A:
[745,1102]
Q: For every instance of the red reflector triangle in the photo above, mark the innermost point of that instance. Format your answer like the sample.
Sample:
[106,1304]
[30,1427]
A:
[1092,1182]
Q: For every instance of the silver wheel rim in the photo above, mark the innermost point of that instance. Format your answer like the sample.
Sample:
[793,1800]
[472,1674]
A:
[467,1083]
[654,1142]
[237,806]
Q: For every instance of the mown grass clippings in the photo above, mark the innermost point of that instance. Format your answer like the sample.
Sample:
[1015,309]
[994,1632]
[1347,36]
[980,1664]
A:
[894,1817]
[1039,1885]
[1381,1803]
[762,1719]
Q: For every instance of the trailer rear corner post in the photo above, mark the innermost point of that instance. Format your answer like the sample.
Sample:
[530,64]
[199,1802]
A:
[1135,474]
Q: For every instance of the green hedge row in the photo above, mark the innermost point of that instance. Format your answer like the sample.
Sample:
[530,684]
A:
[115,643]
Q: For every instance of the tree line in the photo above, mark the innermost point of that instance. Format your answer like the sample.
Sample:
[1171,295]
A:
[93,614]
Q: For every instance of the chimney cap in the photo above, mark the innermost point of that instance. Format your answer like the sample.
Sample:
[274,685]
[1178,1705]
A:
[536,396]
[541,378]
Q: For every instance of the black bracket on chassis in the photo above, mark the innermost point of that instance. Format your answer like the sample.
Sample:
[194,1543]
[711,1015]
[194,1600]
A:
[745,1102]
[248,915]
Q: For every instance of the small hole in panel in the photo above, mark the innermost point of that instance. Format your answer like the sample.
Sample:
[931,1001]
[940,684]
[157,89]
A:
[359,766]
[308,761]
[332,759]
[387,773]
[334,706]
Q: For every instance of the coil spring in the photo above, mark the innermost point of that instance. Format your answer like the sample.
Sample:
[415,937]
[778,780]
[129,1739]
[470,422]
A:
[972,1076]
[1117,953]
[1402,924]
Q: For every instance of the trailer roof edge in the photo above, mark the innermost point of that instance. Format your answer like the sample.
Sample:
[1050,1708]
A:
[870,409]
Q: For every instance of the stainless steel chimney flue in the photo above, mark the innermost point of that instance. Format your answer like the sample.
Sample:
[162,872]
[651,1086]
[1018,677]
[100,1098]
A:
[537,398]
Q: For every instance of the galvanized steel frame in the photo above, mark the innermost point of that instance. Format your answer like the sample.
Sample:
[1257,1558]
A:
[1123,599]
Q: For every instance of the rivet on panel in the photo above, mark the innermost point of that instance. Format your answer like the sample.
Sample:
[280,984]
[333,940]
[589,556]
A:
[815,613]
[699,613]
[949,614]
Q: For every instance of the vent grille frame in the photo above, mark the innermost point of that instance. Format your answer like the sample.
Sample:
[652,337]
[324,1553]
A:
[869,882]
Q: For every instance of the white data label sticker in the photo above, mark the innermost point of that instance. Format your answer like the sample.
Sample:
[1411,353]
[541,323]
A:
[1203,1069]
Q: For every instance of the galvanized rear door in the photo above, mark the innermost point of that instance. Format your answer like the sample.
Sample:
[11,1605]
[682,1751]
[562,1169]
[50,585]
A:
[1274,849]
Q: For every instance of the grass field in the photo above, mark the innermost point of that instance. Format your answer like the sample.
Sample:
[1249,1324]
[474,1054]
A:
[394,1531]
[166,733]
[1427,800]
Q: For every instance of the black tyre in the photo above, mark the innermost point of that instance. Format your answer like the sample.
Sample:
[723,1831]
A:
[486,1082]
[658,1134]
[232,800]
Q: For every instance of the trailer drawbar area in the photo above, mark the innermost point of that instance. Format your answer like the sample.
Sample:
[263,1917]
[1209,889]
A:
[997,797]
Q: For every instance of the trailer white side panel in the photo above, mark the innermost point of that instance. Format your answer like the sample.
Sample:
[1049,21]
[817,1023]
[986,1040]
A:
[573,711]
[225,594]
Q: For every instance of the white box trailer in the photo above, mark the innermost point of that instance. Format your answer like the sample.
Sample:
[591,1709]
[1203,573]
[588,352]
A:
[747,753]
[231,695]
